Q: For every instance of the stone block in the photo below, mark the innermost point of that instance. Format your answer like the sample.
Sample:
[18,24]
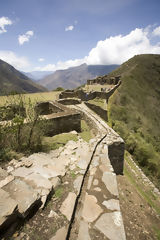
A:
[116,155]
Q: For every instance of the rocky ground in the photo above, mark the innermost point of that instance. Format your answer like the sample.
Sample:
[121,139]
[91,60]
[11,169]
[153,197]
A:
[75,180]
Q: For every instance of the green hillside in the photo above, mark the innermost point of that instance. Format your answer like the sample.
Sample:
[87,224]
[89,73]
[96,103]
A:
[12,80]
[134,111]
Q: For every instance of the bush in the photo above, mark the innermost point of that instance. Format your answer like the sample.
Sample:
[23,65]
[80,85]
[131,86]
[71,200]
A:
[21,134]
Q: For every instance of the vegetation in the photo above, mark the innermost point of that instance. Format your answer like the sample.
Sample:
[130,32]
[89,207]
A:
[59,140]
[99,102]
[85,131]
[23,131]
[58,89]
[32,97]
[134,111]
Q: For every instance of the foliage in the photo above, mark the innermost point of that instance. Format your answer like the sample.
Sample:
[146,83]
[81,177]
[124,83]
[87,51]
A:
[134,112]
[85,131]
[57,141]
[23,131]
[59,89]
[99,102]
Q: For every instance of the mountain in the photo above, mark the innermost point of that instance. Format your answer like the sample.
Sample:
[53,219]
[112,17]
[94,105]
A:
[37,75]
[12,80]
[75,76]
[134,111]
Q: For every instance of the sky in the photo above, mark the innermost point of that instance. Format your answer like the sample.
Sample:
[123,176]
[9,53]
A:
[47,35]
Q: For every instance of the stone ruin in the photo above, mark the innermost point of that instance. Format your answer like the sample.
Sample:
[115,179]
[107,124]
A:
[104,80]
[58,117]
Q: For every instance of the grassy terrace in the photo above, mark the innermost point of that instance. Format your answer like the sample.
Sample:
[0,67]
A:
[99,102]
[33,97]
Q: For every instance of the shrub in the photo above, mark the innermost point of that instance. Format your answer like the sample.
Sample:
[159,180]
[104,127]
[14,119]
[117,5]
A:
[21,134]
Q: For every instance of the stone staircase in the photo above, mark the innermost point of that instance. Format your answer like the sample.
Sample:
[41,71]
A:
[90,209]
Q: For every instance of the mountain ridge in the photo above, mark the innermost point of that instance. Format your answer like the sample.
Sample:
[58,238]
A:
[75,76]
[12,80]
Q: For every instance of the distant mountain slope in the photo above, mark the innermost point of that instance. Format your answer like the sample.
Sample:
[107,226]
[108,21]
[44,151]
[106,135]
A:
[12,80]
[75,76]
[37,75]
[134,110]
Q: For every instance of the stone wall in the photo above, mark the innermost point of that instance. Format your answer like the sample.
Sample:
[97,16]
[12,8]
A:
[97,109]
[104,80]
[62,119]
[69,101]
[64,123]
[45,108]
[84,96]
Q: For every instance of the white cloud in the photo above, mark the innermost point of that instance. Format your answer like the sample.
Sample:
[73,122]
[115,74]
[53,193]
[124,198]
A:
[69,28]
[41,59]
[4,21]
[25,37]
[20,63]
[114,50]
[156,31]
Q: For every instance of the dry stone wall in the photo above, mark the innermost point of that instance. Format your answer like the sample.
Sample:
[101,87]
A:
[97,109]
[84,96]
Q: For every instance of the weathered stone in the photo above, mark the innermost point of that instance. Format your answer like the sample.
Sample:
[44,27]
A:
[38,181]
[90,179]
[95,161]
[93,171]
[112,204]
[68,205]
[10,169]
[95,182]
[49,172]
[7,180]
[97,189]
[23,194]
[91,210]
[116,155]
[111,225]
[55,182]
[82,163]
[77,183]
[60,234]
[26,162]
[110,182]
[8,209]
[22,172]
[83,231]
[3,174]
[53,214]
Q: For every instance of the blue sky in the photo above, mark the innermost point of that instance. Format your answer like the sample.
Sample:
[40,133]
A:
[56,34]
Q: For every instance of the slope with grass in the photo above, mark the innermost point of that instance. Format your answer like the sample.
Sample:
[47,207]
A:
[134,111]
[12,80]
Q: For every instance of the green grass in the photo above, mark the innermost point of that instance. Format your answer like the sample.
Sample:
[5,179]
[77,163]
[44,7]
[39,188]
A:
[85,131]
[34,97]
[134,112]
[59,192]
[157,232]
[146,193]
[57,141]
[99,102]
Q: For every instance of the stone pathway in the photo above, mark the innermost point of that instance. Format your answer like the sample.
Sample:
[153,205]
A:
[91,205]
[98,215]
